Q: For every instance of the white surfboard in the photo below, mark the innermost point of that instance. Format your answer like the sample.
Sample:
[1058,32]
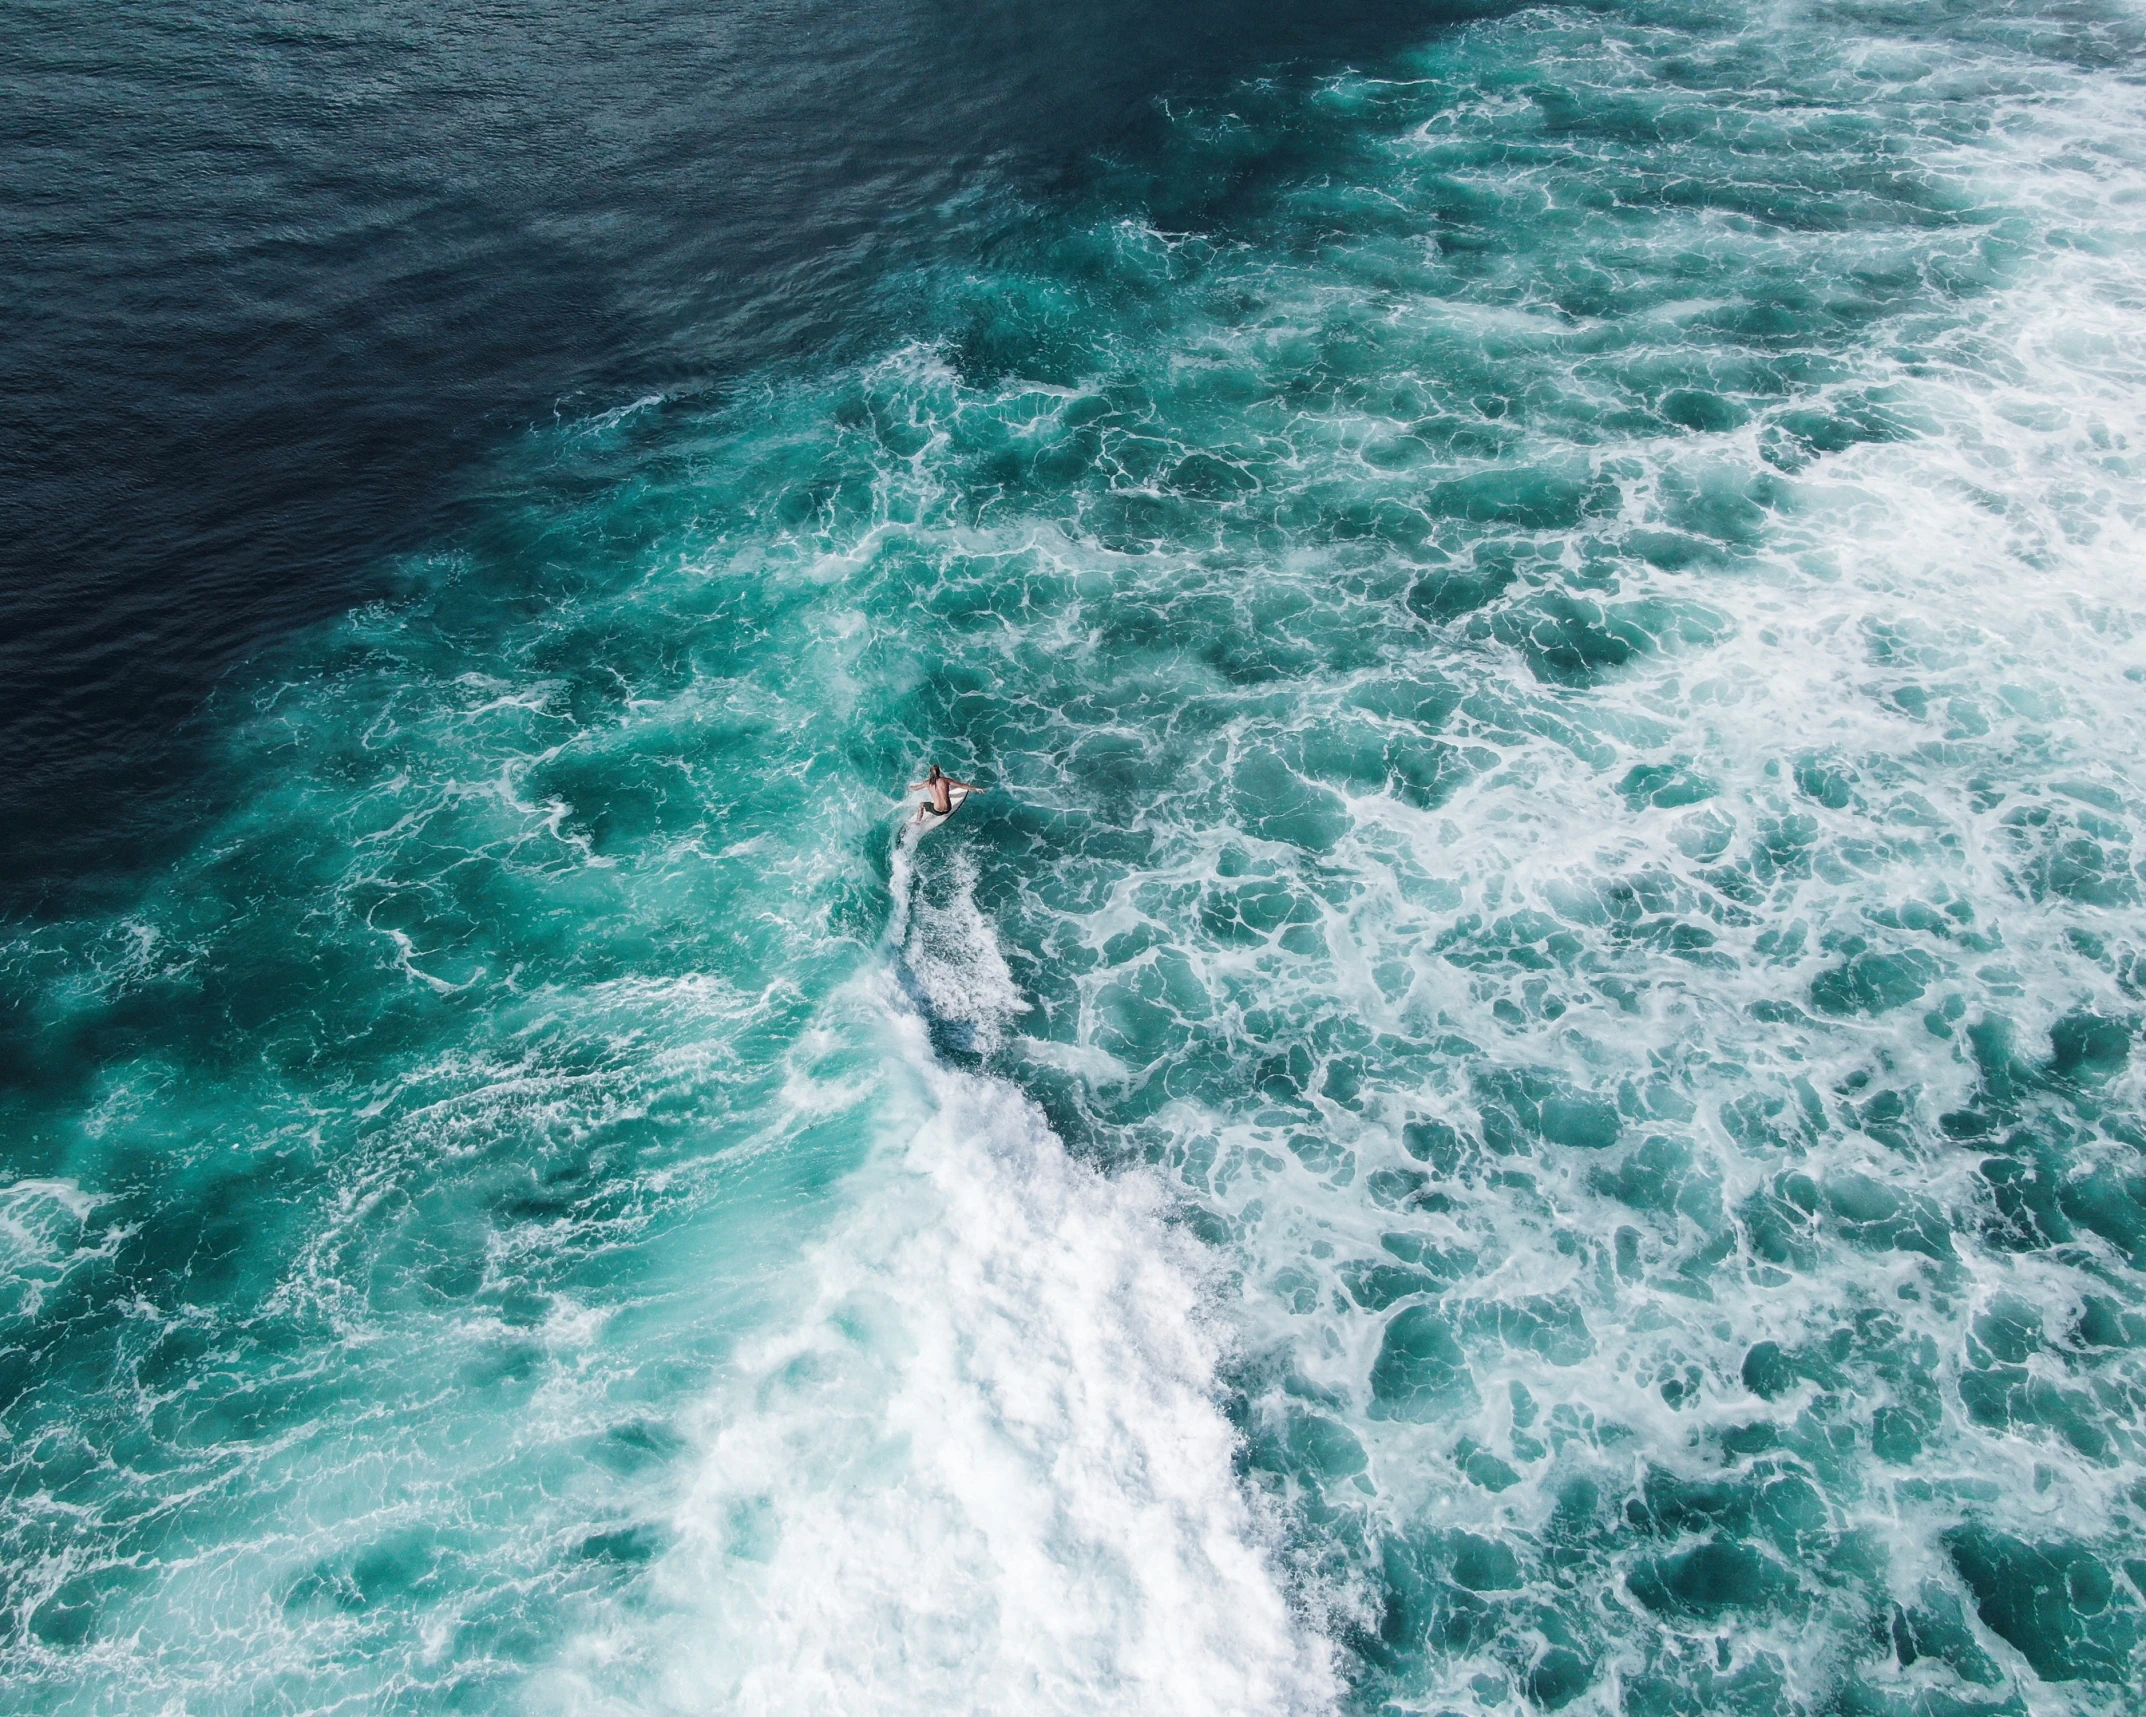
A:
[928,819]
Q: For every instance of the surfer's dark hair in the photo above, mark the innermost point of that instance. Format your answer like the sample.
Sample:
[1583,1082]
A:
[934,773]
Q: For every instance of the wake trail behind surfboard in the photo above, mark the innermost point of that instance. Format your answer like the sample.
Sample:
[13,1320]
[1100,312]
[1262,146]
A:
[901,882]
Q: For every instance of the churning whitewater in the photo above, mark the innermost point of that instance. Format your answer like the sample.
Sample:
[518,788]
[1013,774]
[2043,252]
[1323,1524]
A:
[1522,1096]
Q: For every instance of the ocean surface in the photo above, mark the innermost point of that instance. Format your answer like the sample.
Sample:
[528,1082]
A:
[1524,1093]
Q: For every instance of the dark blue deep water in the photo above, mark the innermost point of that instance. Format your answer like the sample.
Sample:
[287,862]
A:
[1524,1094]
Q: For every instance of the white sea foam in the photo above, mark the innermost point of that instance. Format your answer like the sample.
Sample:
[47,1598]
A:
[953,963]
[980,1467]
[44,1234]
[1999,548]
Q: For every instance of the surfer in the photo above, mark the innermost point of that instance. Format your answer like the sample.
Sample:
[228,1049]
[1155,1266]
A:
[940,788]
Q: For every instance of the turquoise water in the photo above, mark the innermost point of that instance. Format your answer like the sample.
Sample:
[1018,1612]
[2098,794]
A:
[1522,1095]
